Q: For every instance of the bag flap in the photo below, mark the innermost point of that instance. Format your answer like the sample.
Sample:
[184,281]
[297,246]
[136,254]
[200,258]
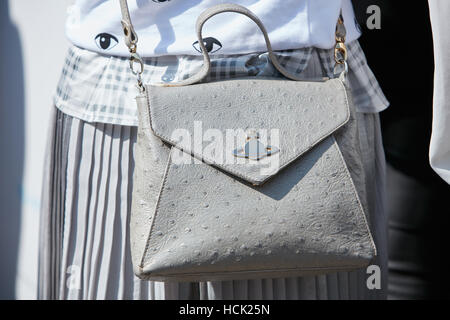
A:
[249,128]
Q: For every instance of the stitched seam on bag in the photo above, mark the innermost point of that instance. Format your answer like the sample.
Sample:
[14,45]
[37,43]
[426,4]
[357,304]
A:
[340,268]
[166,174]
[352,182]
[361,211]
[253,179]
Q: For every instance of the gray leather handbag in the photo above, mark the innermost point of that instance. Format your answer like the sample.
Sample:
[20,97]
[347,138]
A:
[279,207]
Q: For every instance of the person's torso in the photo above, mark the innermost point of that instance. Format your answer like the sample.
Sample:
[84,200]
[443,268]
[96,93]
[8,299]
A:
[167,27]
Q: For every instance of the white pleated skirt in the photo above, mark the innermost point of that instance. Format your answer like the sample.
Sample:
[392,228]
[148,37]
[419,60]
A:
[86,203]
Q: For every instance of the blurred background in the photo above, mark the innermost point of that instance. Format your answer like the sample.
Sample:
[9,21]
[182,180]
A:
[32,52]
[401,55]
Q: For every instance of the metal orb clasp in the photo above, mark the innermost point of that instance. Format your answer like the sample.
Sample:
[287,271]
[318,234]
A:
[254,149]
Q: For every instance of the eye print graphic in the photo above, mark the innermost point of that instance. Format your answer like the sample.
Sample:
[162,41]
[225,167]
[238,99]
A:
[159,1]
[105,41]
[212,45]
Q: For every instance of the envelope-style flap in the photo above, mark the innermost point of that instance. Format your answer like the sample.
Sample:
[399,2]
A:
[250,128]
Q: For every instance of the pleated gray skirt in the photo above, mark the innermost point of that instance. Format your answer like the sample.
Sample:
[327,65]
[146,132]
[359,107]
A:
[84,242]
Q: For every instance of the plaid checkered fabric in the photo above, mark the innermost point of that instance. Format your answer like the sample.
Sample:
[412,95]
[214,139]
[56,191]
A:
[99,88]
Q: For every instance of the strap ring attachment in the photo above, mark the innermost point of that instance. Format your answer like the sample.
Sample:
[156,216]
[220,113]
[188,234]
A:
[135,58]
[131,42]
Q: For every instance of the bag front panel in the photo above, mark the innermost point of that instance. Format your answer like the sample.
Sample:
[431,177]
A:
[306,220]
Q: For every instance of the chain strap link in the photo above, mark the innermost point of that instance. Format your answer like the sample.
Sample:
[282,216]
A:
[340,49]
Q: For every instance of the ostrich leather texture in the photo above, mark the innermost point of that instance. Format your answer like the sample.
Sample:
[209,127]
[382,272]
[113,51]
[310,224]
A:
[205,220]
[295,207]
[279,105]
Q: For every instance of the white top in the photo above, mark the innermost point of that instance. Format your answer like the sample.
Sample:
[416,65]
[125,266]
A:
[167,27]
[440,139]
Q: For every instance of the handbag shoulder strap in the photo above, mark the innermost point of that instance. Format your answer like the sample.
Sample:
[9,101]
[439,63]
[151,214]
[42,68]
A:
[131,41]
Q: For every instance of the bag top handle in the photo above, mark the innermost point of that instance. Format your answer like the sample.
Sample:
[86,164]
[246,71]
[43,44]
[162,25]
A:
[131,41]
[229,7]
